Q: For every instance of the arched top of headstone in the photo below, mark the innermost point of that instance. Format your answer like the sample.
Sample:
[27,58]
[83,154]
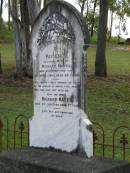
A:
[54,8]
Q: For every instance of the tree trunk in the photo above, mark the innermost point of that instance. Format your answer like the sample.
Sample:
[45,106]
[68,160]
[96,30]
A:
[93,18]
[40,3]
[17,42]
[119,34]
[100,63]
[1,8]
[87,7]
[9,16]
[44,3]
[111,24]
[20,41]
[25,24]
[82,7]
[33,9]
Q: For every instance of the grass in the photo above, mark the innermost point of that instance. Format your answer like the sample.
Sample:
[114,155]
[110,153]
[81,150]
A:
[108,98]
[118,60]
[108,104]
[8,57]
[15,100]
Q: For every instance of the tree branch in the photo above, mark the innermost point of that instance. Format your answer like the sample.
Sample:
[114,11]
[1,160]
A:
[15,18]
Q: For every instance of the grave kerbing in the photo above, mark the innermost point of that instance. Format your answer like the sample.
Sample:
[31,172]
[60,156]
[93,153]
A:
[58,47]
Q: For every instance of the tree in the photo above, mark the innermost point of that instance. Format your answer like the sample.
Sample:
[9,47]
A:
[121,9]
[1,29]
[20,39]
[111,25]
[82,4]
[112,9]
[14,14]
[26,29]
[9,16]
[93,18]
[121,12]
[22,17]
[23,20]
[88,11]
[100,63]
[1,7]
[33,9]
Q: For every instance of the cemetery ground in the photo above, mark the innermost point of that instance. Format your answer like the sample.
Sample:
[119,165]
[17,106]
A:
[108,98]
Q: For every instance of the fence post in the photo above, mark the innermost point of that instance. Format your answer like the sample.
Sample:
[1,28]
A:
[124,142]
[94,141]
[1,127]
[95,137]
[21,127]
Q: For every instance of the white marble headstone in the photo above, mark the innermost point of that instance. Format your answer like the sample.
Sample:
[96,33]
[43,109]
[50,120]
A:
[57,45]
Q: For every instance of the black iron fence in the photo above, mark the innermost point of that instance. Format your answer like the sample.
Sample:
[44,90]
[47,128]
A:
[16,135]
[115,146]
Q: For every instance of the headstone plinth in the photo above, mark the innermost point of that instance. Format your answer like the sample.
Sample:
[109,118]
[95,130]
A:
[58,43]
[43,161]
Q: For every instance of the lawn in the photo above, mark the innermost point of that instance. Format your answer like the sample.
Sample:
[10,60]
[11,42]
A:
[108,98]
[8,57]
[118,59]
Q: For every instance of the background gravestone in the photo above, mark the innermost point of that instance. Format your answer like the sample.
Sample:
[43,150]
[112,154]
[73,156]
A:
[59,70]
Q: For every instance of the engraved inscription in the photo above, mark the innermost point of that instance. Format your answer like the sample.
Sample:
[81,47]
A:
[56,85]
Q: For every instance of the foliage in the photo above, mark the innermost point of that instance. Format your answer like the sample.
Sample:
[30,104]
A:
[121,9]
[6,31]
[91,13]
[2,27]
[89,18]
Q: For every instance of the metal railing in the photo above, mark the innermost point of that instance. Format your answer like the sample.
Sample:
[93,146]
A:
[17,136]
[120,141]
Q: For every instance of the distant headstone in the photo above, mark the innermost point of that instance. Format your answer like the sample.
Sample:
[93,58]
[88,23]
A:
[58,47]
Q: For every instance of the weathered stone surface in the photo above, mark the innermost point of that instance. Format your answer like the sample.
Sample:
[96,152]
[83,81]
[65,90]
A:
[59,54]
[41,161]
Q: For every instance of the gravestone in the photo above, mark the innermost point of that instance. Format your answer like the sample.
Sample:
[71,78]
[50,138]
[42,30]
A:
[60,121]
[58,45]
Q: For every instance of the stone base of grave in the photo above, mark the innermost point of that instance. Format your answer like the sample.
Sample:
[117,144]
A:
[43,161]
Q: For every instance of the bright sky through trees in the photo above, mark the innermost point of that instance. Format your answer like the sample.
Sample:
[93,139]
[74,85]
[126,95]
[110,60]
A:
[116,21]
